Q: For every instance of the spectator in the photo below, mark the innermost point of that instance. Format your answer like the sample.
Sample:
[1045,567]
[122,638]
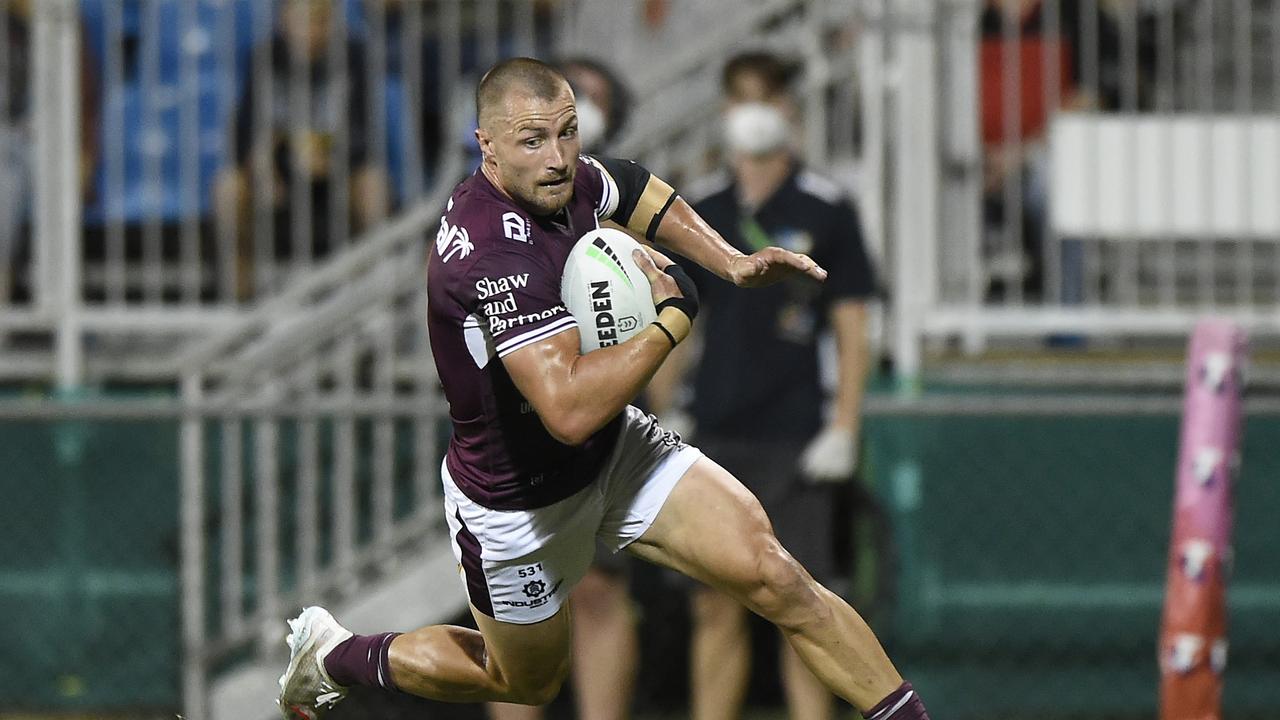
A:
[16,136]
[606,650]
[1014,151]
[302,149]
[757,396]
[604,102]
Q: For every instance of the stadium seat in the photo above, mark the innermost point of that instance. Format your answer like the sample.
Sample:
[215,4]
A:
[127,107]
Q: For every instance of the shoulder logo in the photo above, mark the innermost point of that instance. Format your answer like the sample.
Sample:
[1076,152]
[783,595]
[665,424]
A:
[515,227]
[452,241]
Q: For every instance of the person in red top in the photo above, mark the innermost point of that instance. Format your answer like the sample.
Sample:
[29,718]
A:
[548,454]
[1033,61]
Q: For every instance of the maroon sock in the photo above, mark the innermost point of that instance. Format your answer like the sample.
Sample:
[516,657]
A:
[902,704]
[362,660]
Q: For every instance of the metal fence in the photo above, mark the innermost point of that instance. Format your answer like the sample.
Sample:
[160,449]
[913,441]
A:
[1080,167]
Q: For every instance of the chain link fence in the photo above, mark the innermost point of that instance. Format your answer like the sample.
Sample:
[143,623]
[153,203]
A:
[1021,574]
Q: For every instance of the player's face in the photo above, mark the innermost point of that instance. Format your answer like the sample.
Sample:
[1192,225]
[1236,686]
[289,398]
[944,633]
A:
[534,151]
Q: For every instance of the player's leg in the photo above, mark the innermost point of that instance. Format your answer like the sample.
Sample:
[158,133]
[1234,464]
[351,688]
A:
[518,568]
[719,656]
[503,661]
[606,648]
[517,575]
[711,528]
[506,662]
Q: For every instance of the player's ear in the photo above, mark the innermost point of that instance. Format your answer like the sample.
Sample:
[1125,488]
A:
[485,141]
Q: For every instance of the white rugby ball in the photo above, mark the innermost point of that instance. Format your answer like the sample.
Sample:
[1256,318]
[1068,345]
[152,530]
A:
[605,290]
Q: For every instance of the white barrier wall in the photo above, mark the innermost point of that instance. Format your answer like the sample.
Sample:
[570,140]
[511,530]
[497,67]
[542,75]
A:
[1166,177]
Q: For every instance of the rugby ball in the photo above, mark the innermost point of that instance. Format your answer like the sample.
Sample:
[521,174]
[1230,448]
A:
[605,290]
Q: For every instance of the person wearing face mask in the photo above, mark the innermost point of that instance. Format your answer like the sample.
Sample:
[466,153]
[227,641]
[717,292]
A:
[606,646]
[604,102]
[757,400]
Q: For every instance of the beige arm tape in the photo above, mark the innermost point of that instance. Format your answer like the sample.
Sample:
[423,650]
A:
[654,199]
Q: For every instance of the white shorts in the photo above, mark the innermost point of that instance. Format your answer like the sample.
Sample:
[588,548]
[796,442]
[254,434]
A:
[519,566]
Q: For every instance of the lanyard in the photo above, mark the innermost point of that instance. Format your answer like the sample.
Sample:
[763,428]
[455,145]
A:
[753,233]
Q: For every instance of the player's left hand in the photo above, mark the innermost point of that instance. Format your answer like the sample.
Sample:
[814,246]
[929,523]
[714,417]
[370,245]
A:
[831,456]
[768,266]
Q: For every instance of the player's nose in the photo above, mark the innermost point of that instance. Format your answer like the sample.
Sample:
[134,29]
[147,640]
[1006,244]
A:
[558,156]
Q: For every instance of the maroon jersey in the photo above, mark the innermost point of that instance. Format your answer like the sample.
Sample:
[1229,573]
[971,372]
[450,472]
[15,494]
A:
[493,287]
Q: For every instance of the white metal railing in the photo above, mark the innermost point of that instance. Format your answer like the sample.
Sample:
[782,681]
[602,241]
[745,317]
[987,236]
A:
[995,236]
[308,477]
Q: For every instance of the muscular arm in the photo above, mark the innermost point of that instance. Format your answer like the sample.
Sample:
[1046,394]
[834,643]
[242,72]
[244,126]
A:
[682,230]
[685,232]
[576,395]
[650,207]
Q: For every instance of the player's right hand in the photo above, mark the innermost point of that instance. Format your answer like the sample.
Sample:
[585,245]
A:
[670,285]
[770,265]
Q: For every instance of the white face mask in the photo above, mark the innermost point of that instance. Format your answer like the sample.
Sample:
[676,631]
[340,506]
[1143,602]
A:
[755,129]
[591,124]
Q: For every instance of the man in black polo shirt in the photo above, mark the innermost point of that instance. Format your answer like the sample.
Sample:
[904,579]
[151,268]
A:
[758,400]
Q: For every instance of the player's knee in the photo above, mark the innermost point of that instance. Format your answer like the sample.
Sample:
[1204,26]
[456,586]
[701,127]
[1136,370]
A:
[540,695]
[784,592]
[538,689]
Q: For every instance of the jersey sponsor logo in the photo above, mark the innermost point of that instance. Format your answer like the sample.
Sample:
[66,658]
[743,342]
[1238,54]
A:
[501,306]
[452,241]
[516,227]
[488,287]
[607,324]
[499,323]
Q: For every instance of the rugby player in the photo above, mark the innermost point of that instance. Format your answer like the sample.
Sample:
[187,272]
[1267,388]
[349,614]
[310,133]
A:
[606,636]
[547,454]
